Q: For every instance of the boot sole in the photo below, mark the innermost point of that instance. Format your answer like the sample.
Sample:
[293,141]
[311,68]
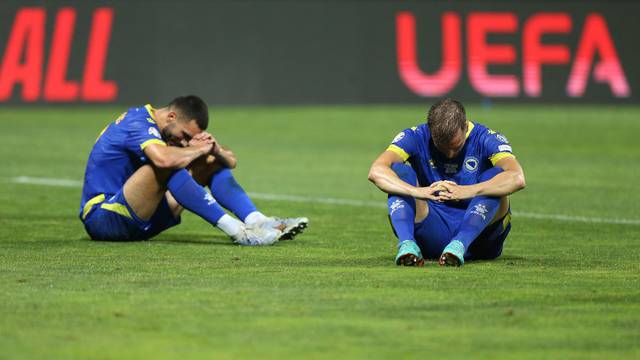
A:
[293,231]
[410,260]
[448,259]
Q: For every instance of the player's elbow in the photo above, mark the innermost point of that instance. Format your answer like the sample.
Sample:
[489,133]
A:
[232,163]
[519,181]
[373,174]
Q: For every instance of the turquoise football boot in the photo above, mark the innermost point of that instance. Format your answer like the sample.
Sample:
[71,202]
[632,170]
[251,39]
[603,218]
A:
[453,254]
[409,254]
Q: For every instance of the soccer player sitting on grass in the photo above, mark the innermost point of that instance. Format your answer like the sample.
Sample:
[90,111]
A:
[450,201]
[150,164]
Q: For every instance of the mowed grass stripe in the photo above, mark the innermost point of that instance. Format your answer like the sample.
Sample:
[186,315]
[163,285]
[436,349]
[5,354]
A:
[350,202]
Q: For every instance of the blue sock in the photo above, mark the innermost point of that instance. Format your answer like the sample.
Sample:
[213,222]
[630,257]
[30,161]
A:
[402,212]
[402,209]
[194,197]
[226,190]
[479,214]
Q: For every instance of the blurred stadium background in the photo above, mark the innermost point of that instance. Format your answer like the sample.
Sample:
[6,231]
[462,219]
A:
[308,93]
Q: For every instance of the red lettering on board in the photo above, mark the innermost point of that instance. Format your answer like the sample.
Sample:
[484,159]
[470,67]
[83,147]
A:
[94,87]
[535,54]
[23,60]
[596,39]
[23,57]
[417,80]
[481,54]
[56,87]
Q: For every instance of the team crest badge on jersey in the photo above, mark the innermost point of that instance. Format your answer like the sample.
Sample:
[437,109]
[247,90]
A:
[153,131]
[471,164]
[398,137]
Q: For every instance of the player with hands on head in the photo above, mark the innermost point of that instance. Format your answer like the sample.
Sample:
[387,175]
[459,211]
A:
[150,164]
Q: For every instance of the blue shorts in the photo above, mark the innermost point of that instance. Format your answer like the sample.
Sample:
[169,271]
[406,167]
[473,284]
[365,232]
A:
[442,224]
[114,220]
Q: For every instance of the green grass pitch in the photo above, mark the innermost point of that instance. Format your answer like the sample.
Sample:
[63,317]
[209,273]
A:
[566,287]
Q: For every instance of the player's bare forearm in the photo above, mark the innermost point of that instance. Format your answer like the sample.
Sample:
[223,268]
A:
[220,154]
[225,156]
[510,180]
[182,157]
[171,157]
[387,180]
[503,184]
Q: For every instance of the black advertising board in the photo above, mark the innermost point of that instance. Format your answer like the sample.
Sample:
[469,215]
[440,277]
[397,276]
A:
[318,52]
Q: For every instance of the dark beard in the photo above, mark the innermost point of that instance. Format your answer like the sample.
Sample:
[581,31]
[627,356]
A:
[166,135]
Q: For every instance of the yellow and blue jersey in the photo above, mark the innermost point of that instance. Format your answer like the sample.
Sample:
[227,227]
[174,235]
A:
[117,154]
[482,149]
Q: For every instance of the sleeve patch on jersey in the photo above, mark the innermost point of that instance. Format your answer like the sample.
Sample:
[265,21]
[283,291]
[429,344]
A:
[499,156]
[153,131]
[398,137]
[398,150]
[502,138]
[505,148]
[152,141]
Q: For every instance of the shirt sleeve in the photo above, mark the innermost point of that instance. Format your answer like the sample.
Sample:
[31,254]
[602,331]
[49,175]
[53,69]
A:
[496,147]
[404,144]
[140,135]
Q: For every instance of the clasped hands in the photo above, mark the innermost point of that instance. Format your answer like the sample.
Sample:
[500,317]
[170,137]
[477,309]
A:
[204,138]
[445,190]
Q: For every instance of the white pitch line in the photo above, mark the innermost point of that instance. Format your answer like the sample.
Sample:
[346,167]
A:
[349,202]
[318,200]
[46,181]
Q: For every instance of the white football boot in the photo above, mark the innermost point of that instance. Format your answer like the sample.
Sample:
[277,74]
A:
[290,227]
[257,236]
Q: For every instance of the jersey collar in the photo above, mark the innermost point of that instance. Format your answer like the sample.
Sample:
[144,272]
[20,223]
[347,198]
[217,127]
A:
[470,126]
[150,110]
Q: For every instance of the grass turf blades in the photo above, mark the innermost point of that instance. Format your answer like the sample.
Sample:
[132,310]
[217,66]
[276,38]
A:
[562,289]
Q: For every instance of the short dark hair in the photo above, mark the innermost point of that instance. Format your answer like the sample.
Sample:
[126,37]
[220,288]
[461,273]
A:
[445,118]
[192,108]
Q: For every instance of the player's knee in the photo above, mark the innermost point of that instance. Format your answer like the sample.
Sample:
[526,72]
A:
[405,173]
[162,175]
[203,171]
[422,210]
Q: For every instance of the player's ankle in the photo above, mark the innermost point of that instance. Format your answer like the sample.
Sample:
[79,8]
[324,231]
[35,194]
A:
[230,225]
[255,217]
[401,242]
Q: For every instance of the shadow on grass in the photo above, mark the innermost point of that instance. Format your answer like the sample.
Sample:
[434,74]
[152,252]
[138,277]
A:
[172,239]
[198,239]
